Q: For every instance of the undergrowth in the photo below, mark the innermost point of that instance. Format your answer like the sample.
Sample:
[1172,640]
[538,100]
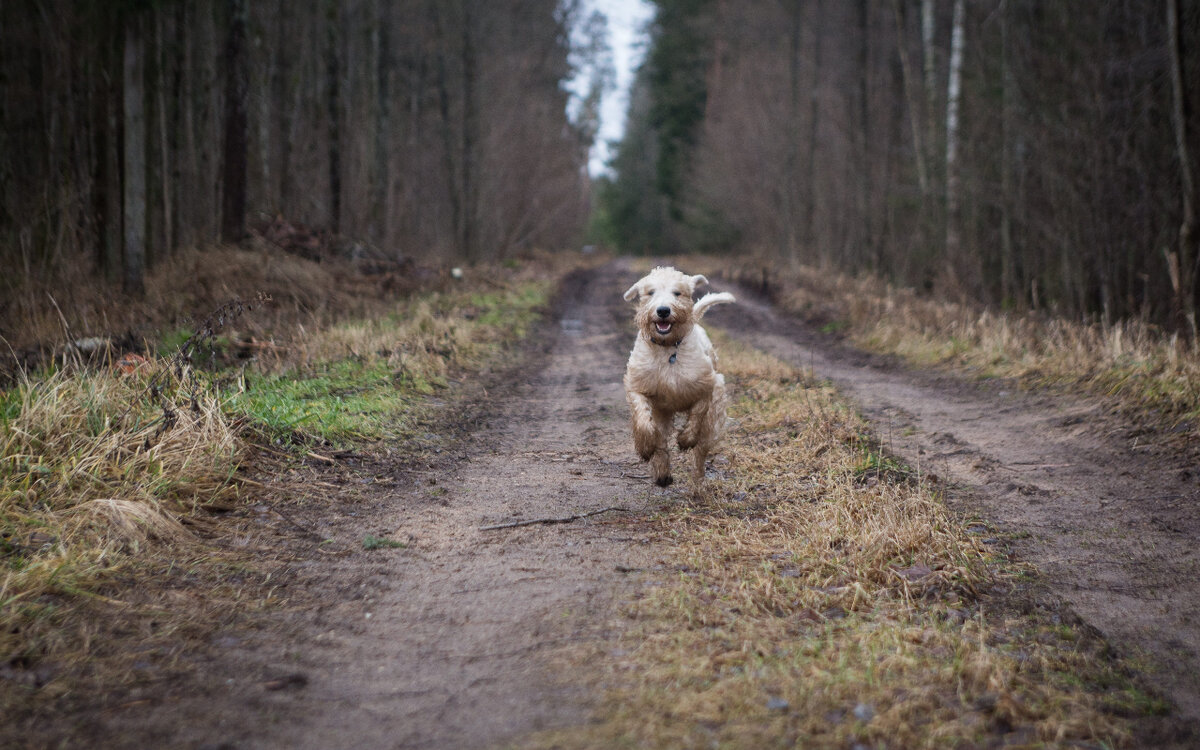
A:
[825,597]
[1133,362]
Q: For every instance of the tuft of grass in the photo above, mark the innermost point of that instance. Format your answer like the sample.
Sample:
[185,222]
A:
[810,608]
[93,467]
[373,542]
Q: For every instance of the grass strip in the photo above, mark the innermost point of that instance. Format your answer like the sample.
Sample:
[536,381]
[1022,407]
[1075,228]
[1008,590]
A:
[1133,362]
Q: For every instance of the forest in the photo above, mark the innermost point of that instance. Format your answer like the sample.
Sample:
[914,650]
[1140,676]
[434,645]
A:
[1025,154]
[131,129]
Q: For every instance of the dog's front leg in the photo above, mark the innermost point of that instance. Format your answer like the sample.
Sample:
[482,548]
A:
[641,413]
[660,462]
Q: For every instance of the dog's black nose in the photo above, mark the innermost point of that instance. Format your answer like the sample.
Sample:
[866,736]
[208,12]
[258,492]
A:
[664,312]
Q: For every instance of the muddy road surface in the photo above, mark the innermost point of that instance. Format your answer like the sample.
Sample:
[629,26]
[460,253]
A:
[1106,511]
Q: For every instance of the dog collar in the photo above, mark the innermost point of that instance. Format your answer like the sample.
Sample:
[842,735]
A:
[675,353]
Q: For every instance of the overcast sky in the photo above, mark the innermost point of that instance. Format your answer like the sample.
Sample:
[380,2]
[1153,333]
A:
[627,21]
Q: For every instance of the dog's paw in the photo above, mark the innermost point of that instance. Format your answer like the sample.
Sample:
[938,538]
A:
[666,481]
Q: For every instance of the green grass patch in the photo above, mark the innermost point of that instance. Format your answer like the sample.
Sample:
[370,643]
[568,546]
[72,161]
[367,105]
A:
[360,380]
[338,402]
[373,543]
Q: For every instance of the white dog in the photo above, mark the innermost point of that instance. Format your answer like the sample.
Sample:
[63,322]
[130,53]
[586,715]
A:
[671,370]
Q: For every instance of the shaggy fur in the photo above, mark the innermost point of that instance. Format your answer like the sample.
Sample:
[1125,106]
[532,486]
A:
[672,370]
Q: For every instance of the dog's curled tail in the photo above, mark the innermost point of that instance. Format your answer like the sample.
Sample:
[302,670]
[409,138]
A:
[708,300]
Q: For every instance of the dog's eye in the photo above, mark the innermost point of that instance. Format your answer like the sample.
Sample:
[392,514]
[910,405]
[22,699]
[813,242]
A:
[677,293]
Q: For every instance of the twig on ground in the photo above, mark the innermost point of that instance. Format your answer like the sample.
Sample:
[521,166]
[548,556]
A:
[563,519]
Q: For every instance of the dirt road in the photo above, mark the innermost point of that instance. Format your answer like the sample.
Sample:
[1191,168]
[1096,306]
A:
[447,642]
[1106,514]
[444,643]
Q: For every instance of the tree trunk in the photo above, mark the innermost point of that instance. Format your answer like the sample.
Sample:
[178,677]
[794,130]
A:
[810,208]
[1188,252]
[469,139]
[379,171]
[333,109]
[449,143]
[108,198]
[1007,90]
[287,107]
[164,144]
[791,185]
[929,61]
[953,92]
[914,103]
[134,182]
[233,193]
[865,219]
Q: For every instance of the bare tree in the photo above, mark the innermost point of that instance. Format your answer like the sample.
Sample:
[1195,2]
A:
[233,213]
[1184,260]
[134,123]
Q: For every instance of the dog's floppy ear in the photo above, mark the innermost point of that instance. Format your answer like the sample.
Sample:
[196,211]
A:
[699,279]
[632,293]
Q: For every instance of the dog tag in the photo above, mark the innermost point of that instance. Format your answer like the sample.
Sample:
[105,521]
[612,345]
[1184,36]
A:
[673,356]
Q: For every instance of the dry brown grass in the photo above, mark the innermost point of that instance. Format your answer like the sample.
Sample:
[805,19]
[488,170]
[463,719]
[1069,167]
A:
[824,597]
[1136,364]
[93,466]
[40,317]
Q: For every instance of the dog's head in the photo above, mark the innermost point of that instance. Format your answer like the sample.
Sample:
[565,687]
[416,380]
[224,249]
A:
[664,300]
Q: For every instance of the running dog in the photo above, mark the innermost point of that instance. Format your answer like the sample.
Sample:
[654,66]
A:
[672,370]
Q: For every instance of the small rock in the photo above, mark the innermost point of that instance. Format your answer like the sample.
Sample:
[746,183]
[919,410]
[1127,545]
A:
[916,572]
[864,712]
[294,680]
[834,613]
[775,703]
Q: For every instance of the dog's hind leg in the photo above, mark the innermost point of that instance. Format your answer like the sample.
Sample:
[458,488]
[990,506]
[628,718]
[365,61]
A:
[709,427]
[689,436]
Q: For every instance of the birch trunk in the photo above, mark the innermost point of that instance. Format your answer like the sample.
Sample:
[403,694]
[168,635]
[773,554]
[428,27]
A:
[953,92]
[929,61]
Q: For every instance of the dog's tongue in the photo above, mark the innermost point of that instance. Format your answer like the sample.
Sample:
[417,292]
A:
[663,328]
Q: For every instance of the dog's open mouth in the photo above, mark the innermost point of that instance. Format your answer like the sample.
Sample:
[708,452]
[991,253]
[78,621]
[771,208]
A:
[662,327]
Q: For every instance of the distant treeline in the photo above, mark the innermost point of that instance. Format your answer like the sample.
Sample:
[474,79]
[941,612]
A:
[130,128]
[1021,152]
